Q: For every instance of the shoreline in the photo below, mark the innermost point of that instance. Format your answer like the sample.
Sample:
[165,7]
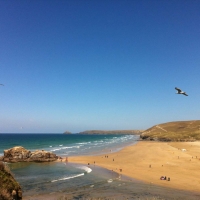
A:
[138,179]
[117,189]
[148,161]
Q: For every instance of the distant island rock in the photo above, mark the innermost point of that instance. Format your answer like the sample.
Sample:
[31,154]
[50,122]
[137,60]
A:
[20,154]
[173,131]
[102,132]
[67,132]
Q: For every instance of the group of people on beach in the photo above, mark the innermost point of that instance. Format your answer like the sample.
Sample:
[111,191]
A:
[165,178]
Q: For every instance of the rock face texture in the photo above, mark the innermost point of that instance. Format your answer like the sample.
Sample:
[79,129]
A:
[9,187]
[20,154]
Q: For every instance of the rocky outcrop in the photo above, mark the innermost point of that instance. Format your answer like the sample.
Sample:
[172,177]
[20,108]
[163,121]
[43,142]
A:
[9,187]
[20,154]
[67,132]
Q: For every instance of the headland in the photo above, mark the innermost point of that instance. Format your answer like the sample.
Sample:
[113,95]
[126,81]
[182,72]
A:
[102,132]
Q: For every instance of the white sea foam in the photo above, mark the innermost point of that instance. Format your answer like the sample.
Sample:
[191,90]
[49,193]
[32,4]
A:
[58,149]
[84,143]
[66,178]
[83,147]
[68,147]
[68,152]
[87,169]
[61,145]
[72,147]
[55,149]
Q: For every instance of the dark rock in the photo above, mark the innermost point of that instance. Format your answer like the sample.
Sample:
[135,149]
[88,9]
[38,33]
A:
[1,158]
[67,132]
[9,187]
[20,154]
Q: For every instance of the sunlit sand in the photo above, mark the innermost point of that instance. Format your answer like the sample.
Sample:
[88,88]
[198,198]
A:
[148,161]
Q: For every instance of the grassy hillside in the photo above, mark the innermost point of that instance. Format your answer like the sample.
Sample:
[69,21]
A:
[174,131]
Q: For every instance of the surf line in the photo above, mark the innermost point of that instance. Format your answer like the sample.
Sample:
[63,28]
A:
[70,177]
[86,169]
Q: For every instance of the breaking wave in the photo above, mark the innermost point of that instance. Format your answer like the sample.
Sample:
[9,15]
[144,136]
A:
[86,169]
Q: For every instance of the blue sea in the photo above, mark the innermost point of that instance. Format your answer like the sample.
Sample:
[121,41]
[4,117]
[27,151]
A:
[67,144]
[41,178]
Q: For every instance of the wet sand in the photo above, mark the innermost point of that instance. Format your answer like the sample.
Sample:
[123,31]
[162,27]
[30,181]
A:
[118,190]
[148,161]
[145,162]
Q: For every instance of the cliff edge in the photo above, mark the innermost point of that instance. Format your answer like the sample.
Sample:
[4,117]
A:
[9,187]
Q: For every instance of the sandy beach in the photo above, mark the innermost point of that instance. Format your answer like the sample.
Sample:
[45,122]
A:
[148,161]
[140,167]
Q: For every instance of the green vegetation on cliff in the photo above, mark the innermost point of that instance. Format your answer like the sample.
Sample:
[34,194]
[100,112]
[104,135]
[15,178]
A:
[173,131]
[9,187]
[132,132]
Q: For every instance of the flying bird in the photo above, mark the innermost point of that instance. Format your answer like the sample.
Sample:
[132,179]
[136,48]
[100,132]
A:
[179,91]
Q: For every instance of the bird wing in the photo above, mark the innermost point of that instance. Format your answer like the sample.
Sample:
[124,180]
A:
[185,94]
[179,90]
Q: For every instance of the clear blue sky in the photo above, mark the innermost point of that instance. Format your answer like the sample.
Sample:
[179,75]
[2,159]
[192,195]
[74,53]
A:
[105,64]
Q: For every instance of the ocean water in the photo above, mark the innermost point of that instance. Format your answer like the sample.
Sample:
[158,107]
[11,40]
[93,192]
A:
[45,178]
[41,178]
[67,145]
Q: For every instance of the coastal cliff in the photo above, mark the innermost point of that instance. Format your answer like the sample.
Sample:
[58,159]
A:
[20,154]
[9,187]
[173,131]
[101,132]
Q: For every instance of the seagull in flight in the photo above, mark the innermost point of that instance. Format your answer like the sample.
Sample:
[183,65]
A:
[179,91]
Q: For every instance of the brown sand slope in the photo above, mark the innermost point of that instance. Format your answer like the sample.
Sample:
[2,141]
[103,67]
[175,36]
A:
[148,161]
[174,131]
